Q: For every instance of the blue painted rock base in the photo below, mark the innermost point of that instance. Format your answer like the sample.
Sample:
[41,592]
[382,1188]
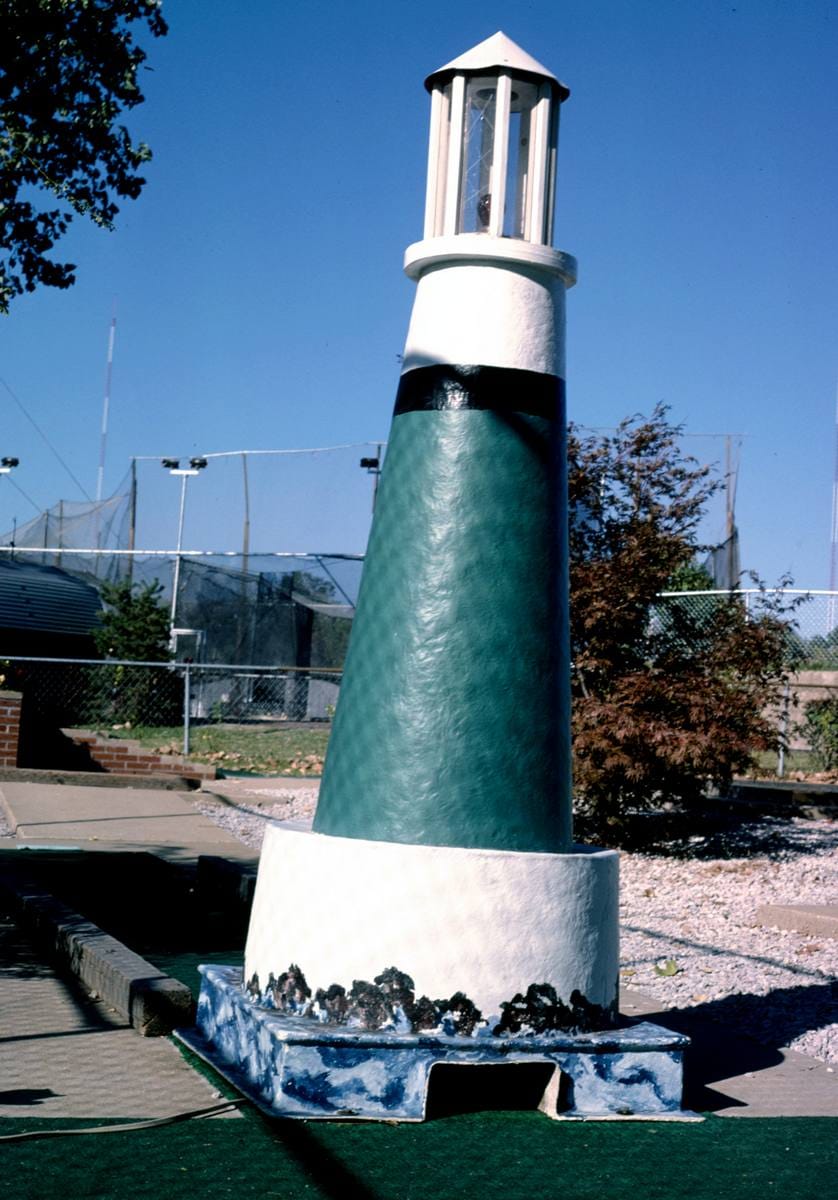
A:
[291,1069]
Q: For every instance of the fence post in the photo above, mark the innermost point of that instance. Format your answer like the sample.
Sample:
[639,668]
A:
[187,704]
[784,730]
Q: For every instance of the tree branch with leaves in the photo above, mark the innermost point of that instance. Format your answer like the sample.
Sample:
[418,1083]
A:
[68,70]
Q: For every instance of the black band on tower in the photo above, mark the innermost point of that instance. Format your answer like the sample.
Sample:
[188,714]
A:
[443,387]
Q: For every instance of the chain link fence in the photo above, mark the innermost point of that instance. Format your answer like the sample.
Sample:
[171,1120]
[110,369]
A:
[812,658]
[811,616]
[126,697]
[121,698]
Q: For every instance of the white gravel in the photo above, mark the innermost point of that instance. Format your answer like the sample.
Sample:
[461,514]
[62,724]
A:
[695,918]
[698,918]
[246,814]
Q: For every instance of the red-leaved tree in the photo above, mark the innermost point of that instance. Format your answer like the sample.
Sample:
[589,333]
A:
[668,696]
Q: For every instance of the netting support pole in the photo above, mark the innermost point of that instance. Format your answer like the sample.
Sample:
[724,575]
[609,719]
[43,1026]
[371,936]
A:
[245,651]
[246,527]
[187,704]
[176,581]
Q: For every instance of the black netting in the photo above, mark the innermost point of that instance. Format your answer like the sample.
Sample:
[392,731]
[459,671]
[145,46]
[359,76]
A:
[77,525]
[295,613]
[268,609]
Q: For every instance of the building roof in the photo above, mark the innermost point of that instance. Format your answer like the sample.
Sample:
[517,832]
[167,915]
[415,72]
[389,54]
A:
[46,599]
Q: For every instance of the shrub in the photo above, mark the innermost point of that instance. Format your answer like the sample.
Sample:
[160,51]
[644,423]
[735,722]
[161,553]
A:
[820,729]
[135,627]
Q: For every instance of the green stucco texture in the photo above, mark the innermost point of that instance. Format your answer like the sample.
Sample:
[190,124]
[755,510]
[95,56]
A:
[452,726]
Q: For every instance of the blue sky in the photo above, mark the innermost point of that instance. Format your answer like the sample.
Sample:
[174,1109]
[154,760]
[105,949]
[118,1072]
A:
[258,288]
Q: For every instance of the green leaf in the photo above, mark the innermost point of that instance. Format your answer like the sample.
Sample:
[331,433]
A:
[670,967]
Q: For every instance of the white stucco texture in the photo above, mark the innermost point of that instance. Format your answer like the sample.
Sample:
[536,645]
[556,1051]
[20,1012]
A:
[485,922]
[489,312]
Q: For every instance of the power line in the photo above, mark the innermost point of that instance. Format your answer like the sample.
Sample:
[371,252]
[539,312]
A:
[234,453]
[44,437]
[25,495]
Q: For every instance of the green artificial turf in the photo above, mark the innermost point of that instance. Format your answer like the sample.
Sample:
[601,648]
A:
[513,1156]
[184,967]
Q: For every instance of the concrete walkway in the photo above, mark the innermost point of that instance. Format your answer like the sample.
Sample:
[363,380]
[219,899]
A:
[104,818]
[727,1073]
[731,1075]
[65,1055]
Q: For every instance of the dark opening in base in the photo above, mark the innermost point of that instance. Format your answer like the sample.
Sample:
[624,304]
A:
[483,1087]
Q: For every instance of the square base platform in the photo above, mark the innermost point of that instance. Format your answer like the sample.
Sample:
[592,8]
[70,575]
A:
[297,1067]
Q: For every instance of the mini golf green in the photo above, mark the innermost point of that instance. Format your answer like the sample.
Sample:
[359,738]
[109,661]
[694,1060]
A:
[519,1155]
[513,1156]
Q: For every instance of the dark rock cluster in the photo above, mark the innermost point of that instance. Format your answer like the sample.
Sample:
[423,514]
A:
[540,1010]
[390,1002]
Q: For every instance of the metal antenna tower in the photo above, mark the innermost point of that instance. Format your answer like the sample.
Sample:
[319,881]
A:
[833,548]
[105,410]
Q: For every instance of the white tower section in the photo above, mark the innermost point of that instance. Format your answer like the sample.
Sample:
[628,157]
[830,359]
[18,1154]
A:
[490,199]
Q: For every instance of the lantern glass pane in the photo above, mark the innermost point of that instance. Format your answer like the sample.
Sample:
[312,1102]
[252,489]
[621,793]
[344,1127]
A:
[478,140]
[518,162]
[516,175]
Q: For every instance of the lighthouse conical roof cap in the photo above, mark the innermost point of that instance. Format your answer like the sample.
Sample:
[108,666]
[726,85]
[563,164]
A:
[497,52]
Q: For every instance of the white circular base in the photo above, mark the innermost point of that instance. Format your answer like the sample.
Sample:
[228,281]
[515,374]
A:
[486,923]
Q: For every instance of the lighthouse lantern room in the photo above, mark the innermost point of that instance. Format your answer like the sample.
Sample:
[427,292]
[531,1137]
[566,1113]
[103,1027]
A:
[493,145]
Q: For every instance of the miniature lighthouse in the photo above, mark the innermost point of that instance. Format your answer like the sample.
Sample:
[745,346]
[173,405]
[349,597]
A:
[438,911]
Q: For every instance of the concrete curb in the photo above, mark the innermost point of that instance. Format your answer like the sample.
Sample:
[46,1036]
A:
[151,1001]
[816,801]
[226,883]
[166,782]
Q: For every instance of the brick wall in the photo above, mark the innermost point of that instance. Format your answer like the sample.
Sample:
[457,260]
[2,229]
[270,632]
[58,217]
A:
[125,757]
[9,727]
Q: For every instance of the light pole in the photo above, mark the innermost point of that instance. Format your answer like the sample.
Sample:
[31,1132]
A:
[372,466]
[8,464]
[172,465]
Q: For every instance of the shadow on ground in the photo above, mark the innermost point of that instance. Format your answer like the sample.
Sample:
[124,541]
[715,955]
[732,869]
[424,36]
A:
[151,905]
[719,832]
